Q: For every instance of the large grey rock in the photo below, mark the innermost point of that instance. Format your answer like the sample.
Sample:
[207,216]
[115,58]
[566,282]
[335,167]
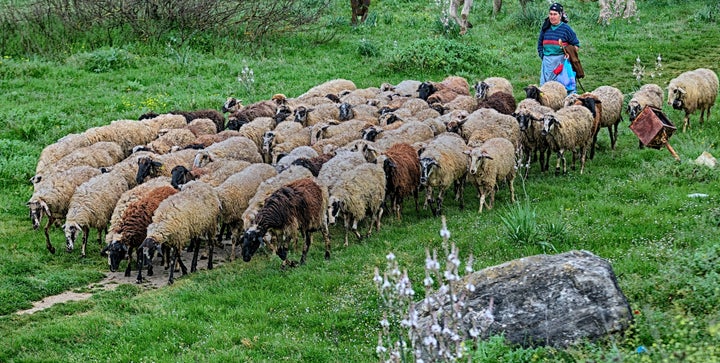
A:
[545,300]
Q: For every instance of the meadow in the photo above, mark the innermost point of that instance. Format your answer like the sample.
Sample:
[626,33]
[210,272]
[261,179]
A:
[631,206]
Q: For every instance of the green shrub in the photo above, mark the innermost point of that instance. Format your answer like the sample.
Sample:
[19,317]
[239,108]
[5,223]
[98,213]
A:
[441,54]
[105,59]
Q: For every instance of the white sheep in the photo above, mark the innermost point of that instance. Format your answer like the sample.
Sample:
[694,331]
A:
[409,133]
[151,165]
[256,129]
[202,126]
[309,116]
[334,87]
[358,192]
[127,133]
[551,94]
[57,150]
[693,90]
[340,163]
[648,95]
[442,164]
[97,155]
[186,216]
[300,138]
[237,148]
[91,207]
[530,115]
[487,123]
[605,103]
[235,194]
[171,140]
[491,85]
[490,164]
[52,196]
[297,153]
[570,128]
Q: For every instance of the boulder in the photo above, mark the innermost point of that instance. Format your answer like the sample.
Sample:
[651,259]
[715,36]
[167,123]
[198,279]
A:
[551,300]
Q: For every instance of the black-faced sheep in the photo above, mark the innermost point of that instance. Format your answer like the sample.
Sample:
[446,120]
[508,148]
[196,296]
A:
[186,216]
[313,164]
[551,94]
[490,85]
[91,207]
[300,152]
[442,164]
[359,10]
[267,108]
[357,193]
[150,166]
[490,164]
[297,206]
[402,175]
[693,90]
[314,115]
[450,88]
[132,230]
[570,128]
[52,197]
[235,194]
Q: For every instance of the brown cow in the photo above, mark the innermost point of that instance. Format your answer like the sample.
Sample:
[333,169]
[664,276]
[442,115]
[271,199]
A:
[359,10]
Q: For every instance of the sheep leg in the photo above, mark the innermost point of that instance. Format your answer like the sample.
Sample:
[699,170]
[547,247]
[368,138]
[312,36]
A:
[196,251]
[377,221]
[583,151]
[346,224]
[223,228]
[85,231]
[306,247]
[355,229]
[326,237]
[234,244]
[130,262]
[440,202]
[560,159]
[686,121]
[594,141]
[173,259]
[140,262]
[211,247]
[48,245]
[481,194]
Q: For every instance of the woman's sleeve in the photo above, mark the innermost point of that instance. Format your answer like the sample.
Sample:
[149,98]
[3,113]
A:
[540,45]
[572,37]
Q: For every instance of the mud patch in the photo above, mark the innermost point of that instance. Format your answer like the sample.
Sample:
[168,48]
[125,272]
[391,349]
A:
[113,279]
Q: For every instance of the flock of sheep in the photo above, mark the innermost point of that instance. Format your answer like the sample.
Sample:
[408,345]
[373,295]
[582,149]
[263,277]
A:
[285,167]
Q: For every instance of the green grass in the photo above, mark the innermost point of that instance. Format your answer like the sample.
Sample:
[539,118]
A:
[630,206]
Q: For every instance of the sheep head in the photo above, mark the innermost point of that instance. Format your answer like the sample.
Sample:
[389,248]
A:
[533,92]
[427,167]
[425,89]
[371,133]
[301,114]
[346,111]
[71,232]
[481,90]
[180,175]
[202,158]
[282,112]
[477,158]
[678,100]
[633,110]
[232,104]
[251,241]
[37,208]
[335,205]
[115,252]
[548,122]
[146,166]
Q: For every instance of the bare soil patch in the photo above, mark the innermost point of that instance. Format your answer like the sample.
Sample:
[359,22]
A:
[113,279]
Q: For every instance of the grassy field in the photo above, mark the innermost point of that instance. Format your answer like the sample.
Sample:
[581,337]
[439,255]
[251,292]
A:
[631,206]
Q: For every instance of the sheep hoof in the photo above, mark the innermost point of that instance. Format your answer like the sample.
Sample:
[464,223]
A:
[327,255]
[150,272]
[51,249]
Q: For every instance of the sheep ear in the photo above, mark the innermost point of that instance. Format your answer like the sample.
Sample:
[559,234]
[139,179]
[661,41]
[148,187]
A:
[467,151]
[45,208]
[486,155]
[310,110]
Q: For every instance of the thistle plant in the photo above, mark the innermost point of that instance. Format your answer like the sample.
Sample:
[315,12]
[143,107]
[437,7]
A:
[639,69]
[441,333]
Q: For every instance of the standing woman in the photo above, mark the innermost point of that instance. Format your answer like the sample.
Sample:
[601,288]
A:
[554,35]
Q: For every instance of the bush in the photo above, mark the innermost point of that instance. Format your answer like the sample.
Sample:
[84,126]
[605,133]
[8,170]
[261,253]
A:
[105,60]
[444,55]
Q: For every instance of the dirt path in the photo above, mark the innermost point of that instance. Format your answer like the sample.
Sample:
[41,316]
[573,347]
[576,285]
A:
[113,279]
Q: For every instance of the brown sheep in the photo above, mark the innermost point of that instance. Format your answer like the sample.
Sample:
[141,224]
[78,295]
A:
[132,230]
[299,205]
[454,84]
[246,114]
[402,172]
[500,101]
